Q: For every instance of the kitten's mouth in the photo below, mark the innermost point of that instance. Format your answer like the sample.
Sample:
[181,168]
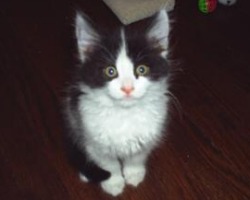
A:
[126,101]
[128,97]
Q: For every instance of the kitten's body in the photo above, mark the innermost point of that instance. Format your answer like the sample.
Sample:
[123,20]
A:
[116,121]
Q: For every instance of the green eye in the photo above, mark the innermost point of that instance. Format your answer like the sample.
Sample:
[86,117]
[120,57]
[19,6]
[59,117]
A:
[110,72]
[142,70]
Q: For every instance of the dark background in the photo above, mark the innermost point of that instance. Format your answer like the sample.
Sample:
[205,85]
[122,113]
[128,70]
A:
[207,152]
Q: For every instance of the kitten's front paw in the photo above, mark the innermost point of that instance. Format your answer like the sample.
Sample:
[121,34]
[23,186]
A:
[114,185]
[134,175]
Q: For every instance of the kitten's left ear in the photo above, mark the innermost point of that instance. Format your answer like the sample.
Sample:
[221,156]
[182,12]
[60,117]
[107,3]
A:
[86,36]
[159,32]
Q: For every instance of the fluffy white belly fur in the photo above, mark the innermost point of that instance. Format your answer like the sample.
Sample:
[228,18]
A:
[118,131]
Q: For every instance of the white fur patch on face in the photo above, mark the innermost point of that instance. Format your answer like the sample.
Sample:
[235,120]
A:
[126,78]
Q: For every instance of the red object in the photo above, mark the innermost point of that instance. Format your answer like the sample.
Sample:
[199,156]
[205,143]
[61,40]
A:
[207,6]
[211,5]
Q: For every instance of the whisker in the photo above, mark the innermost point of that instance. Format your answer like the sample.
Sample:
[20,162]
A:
[176,103]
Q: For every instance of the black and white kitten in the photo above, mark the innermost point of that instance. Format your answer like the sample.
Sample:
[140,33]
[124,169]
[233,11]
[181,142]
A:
[117,105]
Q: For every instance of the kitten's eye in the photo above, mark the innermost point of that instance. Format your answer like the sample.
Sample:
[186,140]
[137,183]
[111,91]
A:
[110,72]
[142,70]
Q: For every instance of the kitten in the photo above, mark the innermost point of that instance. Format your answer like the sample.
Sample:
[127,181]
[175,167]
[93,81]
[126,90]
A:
[117,105]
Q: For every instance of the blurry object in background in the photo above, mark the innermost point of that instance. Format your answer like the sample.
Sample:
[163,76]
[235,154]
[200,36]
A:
[207,6]
[130,11]
[227,2]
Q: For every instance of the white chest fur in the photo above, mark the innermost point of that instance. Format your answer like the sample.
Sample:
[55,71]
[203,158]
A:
[120,131]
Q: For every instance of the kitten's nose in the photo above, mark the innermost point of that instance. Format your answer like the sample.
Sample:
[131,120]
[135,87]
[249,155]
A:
[127,89]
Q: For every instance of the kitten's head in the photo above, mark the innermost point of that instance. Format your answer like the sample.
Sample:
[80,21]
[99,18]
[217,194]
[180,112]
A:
[124,64]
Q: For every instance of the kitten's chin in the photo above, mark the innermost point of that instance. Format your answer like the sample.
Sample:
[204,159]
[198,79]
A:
[128,102]
[125,101]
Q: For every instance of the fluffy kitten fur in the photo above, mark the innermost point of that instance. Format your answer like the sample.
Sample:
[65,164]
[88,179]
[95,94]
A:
[115,122]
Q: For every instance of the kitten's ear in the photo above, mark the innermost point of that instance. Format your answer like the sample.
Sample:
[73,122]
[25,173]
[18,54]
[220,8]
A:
[159,31]
[86,37]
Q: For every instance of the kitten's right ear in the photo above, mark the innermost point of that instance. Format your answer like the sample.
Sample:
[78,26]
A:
[85,35]
[159,31]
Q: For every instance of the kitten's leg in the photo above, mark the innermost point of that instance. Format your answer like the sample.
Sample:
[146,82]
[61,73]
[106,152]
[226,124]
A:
[134,168]
[115,184]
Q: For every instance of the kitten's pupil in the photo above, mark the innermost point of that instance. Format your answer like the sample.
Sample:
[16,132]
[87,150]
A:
[111,71]
[142,70]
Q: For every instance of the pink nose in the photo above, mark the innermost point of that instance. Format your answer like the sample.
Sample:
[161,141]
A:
[127,89]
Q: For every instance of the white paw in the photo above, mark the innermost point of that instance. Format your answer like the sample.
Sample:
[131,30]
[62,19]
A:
[83,178]
[134,175]
[114,185]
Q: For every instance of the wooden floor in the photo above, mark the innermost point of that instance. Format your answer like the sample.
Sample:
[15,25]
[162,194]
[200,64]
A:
[207,153]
